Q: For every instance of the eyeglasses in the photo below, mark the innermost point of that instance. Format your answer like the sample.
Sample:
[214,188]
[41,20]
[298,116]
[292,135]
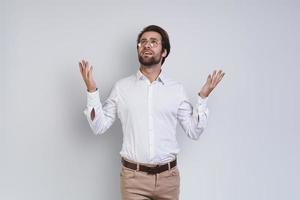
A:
[153,43]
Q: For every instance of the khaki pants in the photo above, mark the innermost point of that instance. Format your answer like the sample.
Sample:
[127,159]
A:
[137,185]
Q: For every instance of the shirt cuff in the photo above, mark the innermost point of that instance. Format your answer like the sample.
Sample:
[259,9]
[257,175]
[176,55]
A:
[202,104]
[93,99]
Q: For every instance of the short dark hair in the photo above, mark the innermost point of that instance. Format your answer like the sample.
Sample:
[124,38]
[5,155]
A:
[165,42]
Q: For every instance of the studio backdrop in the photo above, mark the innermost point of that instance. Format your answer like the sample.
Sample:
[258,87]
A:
[250,149]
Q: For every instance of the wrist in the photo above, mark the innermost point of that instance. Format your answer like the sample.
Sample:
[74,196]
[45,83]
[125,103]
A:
[202,95]
[94,89]
[91,87]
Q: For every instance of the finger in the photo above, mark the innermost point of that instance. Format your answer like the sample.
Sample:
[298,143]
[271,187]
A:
[80,68]
[83,69]
[84,63]
[221,77]
[218,73]
[217,76]
[90,73]
[213,77]
[208,80]
[214,73]
[87,68]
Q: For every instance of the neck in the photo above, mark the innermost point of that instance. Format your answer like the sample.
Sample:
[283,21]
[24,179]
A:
[151,72]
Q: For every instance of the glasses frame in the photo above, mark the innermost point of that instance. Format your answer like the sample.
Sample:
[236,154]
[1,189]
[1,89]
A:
[152,45]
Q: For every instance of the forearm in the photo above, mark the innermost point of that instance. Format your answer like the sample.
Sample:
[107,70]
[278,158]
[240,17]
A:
[101,117]
[193,121]
[99,121]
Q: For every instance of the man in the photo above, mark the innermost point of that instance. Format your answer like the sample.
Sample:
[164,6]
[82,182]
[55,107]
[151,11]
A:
[149,104]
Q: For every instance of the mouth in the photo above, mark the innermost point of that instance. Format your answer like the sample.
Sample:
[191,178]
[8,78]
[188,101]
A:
[147,53]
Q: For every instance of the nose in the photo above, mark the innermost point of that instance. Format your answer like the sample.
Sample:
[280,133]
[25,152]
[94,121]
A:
[147,45]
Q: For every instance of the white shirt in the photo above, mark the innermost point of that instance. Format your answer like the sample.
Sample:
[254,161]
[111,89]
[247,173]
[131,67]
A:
[149,113]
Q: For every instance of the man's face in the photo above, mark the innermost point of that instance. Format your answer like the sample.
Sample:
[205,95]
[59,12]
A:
[150,50]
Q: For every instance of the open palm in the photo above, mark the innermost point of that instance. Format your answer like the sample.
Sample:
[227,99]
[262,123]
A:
[211,82]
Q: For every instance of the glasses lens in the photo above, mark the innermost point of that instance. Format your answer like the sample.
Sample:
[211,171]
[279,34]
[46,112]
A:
[153,43]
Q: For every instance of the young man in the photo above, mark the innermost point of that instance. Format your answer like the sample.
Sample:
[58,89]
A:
[149,105]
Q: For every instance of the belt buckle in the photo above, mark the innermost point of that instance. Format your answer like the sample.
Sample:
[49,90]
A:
[153,170]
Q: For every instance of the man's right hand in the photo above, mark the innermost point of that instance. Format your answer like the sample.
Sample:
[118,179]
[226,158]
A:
[87,75]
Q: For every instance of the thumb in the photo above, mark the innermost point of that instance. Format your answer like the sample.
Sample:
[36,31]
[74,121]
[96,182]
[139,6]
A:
[209,79]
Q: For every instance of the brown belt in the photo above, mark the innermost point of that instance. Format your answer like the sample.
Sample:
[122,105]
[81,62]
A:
[150,170]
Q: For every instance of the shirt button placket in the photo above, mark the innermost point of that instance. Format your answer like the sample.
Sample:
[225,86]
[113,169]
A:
[150,117]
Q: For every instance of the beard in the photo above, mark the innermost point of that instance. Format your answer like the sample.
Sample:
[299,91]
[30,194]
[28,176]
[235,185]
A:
[149,61]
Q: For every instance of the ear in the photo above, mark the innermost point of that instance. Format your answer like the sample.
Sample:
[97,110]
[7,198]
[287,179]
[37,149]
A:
[164,54]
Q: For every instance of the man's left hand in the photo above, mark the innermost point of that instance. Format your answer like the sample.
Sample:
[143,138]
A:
[211,82]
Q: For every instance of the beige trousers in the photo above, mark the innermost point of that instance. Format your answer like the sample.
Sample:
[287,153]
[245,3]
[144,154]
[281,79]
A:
[137,185]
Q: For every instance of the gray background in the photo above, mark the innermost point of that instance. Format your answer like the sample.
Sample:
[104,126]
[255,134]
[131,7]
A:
[250,149]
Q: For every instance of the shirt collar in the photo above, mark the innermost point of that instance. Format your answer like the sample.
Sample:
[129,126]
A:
[161,77]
